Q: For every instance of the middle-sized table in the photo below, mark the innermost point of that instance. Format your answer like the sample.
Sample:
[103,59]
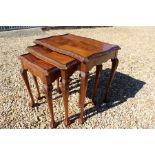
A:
[90,53]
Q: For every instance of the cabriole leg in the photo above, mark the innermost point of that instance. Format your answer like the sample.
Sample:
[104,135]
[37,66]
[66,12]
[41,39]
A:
[83,89]
[65,93]
[48,93]
[115,62]
[25,78]
[98,72]
[37,87]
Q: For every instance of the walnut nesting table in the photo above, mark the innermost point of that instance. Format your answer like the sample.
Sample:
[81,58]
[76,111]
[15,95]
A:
[46,72]
[67,66]
[90,53]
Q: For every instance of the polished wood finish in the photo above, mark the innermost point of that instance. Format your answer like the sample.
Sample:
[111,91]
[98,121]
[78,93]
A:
[98,71]
[81,48]
[85,68]
[25,78]
[89,52]
[48,92]
[58,88]
[65,93]
[115,62]
[60,61]
[83,89]
[68,66]
[46,72]
[37,87]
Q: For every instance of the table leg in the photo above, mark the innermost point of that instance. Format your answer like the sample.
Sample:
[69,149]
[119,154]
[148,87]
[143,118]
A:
[115,62]
[58,86]
[48,93]
[65,93]
[83,89]
[98,72]
[37,86]
[25,78]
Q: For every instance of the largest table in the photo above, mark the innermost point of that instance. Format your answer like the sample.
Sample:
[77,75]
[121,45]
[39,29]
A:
[90,53]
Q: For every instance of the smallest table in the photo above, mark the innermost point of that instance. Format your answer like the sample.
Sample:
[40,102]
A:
[90,53]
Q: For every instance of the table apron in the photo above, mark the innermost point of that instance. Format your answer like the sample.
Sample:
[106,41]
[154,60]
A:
[101,60]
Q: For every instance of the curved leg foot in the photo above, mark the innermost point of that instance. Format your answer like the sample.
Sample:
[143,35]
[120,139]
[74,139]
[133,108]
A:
[81,121]
[67,122]
[52,125]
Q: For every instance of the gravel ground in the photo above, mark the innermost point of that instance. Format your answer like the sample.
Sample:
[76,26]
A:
[132,95]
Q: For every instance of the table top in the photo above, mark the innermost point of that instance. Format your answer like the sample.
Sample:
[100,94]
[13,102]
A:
[38,63]
[59,60]
[81,48]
